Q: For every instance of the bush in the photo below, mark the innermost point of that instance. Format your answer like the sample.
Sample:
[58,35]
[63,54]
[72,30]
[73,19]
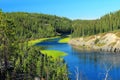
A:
[96,41]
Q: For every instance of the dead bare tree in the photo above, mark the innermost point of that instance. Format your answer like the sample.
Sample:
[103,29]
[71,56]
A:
[107,66]
[78,75]
[107,70]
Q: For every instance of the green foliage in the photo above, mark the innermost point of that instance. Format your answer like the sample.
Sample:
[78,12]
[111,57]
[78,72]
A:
[33,25]
[109,22]
[96,41]
[20,61]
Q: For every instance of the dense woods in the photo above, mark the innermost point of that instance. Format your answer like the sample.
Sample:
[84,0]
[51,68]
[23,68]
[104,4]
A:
[106,23]
[33,25]
[18,61]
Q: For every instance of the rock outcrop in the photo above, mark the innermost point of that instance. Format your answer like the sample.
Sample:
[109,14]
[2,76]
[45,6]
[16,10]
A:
[102,42]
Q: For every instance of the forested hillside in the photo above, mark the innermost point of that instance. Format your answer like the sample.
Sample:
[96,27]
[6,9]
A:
[33,25]
[106,23]
[18,61]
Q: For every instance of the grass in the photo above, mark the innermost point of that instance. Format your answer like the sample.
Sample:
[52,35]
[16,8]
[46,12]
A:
[33,42]
[53,53]
[64,40]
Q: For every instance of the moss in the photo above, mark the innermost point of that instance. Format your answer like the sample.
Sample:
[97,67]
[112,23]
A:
[64,40]
[53,53]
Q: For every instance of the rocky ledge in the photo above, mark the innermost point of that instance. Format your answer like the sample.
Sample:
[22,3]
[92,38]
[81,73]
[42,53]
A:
[103,42]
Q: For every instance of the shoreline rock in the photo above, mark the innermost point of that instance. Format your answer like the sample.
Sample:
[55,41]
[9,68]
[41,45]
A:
[108,42]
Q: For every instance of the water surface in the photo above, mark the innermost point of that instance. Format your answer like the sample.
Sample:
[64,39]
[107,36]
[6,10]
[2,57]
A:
[88,65]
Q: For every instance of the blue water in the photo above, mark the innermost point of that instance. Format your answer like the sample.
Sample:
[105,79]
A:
[88,64]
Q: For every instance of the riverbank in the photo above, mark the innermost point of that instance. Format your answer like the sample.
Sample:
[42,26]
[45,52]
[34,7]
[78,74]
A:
[102,42]
[35,41]
[64,40]
[52,53]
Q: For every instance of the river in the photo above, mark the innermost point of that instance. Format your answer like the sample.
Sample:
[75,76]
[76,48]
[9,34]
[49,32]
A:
[88,65]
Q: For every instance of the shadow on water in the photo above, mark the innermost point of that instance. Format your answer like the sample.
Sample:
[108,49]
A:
[87,65]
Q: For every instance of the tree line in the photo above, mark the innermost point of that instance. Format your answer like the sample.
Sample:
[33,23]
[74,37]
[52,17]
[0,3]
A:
[35,25]
[106,23]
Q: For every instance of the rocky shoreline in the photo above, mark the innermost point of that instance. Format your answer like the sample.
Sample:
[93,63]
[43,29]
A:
[107,42]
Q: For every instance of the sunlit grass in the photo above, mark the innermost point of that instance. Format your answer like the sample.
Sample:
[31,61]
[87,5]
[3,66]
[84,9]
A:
[33,42]
[64,40]
[53,53]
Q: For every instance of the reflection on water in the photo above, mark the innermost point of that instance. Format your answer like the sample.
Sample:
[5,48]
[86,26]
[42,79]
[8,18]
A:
[87,65]
[99,57]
